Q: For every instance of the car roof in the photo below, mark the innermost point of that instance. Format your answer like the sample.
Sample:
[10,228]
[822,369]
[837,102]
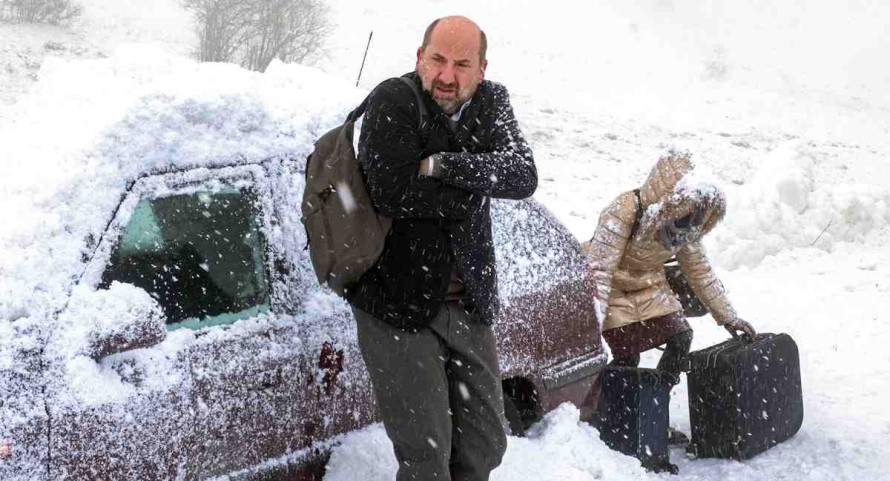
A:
[90,128]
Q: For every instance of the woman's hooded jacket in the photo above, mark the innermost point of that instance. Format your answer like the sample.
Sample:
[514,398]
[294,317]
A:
[629,269]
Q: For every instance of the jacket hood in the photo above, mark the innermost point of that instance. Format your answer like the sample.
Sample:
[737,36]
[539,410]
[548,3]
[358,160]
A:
[674,190]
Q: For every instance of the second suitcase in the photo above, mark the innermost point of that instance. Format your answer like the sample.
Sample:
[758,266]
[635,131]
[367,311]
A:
[632,415]
[744,397]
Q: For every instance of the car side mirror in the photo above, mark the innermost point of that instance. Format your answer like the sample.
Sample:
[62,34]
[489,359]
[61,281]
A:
[108,321]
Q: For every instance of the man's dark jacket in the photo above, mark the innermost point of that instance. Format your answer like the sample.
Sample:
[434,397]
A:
[438,223]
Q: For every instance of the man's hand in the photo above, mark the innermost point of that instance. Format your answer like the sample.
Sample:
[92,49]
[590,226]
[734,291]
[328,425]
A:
[430,166]
[738,324]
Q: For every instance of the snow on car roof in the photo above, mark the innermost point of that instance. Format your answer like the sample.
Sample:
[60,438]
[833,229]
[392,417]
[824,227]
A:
[89,128]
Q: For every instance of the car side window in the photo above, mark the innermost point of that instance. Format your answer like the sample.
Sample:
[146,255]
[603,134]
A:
[200,255]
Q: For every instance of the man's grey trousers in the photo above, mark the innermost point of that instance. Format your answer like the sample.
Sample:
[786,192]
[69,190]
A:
[439,392]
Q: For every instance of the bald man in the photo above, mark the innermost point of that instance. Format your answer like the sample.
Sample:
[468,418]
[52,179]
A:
[424,311]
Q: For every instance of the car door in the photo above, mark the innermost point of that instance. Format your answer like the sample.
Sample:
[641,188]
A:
[223,288]
[210,398]
[273,396]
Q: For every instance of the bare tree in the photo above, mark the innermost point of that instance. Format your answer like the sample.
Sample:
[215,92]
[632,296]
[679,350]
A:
[54,12]
[222,27]
[255,32]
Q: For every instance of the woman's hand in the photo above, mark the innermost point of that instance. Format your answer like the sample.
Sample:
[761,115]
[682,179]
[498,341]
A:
[739,324]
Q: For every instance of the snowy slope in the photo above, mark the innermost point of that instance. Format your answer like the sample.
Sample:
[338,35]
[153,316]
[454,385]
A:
[22,51]
[787,104]
[102,28]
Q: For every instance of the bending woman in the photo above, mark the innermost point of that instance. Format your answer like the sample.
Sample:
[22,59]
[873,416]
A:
[637,233]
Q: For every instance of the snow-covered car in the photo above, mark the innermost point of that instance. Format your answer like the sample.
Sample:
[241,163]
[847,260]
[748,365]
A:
[159,316]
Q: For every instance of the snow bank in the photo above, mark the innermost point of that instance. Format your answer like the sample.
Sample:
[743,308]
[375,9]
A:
[560,447]
[786,205]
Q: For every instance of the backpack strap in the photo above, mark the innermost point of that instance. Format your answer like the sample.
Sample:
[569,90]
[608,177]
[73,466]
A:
[638,214]
[422,112]
[358,110]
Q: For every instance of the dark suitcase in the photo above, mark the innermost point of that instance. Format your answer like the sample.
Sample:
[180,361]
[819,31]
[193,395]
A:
[744,397]
[632,415]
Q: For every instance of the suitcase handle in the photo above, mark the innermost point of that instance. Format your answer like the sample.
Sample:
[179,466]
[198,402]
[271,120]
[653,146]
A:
[742,337]
[686,363]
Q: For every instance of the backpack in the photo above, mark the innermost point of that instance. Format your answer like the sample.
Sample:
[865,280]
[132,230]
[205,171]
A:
[692,305]
[345,234]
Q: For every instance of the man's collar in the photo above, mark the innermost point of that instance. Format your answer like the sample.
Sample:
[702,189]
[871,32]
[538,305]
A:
[457,115]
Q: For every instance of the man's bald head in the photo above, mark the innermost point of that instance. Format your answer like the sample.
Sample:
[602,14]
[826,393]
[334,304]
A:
[451,62]
[452,22]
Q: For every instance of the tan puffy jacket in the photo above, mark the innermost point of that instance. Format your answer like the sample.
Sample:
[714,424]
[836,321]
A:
[629,273]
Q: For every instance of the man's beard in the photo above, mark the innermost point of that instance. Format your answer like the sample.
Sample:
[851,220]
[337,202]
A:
[450,104]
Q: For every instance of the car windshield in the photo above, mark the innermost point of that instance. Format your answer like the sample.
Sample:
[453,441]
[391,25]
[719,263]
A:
[199,255]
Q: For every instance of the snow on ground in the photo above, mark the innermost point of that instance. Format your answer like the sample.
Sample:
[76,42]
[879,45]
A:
[792,121]
[787,104]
